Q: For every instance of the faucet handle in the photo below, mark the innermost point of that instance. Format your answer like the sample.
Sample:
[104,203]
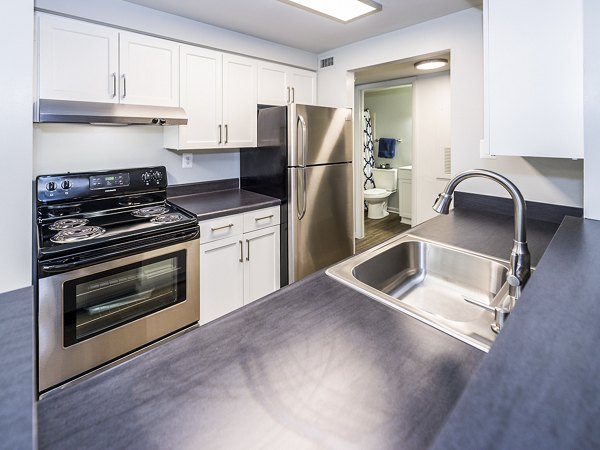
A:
[513,280]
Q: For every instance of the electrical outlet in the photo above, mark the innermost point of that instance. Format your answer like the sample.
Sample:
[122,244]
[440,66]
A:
[187,160]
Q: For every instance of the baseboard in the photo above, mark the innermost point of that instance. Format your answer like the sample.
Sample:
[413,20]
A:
[406,221]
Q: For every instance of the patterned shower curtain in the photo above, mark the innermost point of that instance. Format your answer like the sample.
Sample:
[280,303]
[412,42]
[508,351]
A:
[368,158]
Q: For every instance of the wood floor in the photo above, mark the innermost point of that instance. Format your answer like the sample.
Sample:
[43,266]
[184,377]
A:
[379,230]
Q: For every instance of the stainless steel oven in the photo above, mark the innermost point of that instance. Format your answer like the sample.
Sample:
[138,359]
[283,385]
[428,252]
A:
[103,297]
[90,316]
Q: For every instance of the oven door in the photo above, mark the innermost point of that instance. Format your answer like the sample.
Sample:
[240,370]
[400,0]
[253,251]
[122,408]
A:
[92,315]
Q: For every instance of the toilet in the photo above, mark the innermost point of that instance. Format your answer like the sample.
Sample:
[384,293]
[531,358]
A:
[386,183]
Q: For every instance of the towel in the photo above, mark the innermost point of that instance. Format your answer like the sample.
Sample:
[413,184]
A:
[387,148]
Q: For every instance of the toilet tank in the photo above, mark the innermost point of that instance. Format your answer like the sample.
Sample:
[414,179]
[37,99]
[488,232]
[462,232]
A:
[385,178]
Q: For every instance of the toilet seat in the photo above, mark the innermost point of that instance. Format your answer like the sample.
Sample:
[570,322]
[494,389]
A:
[376,193]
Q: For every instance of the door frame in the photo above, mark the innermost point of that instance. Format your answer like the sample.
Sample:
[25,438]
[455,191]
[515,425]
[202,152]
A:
[359,102]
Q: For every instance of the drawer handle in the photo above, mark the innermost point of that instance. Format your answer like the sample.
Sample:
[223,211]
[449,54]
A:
[220,228]
[264,217]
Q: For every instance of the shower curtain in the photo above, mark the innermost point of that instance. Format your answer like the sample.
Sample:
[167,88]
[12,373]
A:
[368,158]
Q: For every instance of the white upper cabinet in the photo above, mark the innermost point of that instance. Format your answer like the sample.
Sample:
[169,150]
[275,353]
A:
[149,70]
[200,86]
[534,78]
[82,61]
[77,60]
[304,87]
[280,85]
[239,101]
[218,93]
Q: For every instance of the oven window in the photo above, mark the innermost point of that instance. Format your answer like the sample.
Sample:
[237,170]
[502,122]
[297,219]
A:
[99,302]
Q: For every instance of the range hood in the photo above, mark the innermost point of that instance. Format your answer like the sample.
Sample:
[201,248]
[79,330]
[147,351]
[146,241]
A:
[65,111]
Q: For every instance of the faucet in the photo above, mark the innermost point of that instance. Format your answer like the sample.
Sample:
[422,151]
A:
[520,261]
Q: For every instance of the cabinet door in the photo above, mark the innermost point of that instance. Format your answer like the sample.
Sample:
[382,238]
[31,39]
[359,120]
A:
[200,82]
[221,278]
[149,70]
[273,84]
[304,87]
[239,101]
[261,264]
[405,187]
[533,109]
[77,60]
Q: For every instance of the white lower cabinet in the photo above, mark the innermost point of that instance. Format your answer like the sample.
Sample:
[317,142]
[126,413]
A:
[239,261]
[261,263]
[221,278]
[405,194]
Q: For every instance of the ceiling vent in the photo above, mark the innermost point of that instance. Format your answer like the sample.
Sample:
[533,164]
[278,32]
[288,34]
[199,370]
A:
[326,62]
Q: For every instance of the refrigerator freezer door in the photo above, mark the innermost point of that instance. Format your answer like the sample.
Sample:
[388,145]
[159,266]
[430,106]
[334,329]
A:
[319,135]
[322,197]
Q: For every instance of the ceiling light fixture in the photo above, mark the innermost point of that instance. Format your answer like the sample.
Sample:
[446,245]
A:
[428,64]
[342,10]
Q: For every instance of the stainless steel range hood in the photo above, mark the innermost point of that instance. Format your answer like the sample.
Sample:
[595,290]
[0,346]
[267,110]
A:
[64,111]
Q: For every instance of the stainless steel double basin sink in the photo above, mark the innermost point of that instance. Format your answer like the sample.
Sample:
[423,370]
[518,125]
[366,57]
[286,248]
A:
[451,289]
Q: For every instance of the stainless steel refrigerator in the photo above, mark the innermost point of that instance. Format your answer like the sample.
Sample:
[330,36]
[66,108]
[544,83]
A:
[304,158]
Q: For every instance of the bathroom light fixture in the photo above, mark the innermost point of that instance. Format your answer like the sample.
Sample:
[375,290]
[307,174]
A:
[342,10]
[428,64]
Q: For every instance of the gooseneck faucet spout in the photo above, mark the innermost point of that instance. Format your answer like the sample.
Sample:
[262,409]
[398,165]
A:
[520,260]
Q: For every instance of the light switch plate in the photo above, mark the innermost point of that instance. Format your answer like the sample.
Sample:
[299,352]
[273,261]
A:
[187,160]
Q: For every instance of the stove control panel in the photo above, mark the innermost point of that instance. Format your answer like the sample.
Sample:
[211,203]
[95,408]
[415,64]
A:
[152,177]
[89,185]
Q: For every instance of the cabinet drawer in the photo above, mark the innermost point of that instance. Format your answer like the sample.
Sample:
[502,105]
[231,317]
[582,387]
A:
[214,229]
[262,218]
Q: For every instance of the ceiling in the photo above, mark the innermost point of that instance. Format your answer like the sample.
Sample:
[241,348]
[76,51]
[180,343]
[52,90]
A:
[282,23]
[398,69]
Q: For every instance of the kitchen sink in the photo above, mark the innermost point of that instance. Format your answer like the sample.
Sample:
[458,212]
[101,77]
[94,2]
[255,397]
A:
[451,289]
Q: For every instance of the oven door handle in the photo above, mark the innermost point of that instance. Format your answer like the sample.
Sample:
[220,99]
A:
[57,268]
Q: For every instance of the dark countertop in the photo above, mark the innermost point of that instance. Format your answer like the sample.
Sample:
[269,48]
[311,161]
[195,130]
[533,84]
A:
[317,364]
[487,233]
[539,387]
[16,373]
[314,365]
[209,205]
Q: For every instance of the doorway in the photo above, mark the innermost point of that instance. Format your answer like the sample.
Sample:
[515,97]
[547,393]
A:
[414,112]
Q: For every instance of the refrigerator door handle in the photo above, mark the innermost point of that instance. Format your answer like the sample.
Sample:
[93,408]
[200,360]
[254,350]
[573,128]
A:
[302,166]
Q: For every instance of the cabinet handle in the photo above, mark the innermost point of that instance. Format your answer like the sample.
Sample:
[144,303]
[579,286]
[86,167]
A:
[289,96]
[226,133]
[264,217]
[220,133]
[248,251]
[293,95]
[241,251]
[114,77]
[124,85]
[220,228]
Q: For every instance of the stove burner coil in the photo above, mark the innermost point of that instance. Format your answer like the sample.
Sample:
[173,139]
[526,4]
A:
[76,234]
[151,211]
[167,218]
[65,224]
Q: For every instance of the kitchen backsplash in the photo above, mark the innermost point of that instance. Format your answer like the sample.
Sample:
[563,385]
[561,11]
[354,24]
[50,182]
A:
[59,148]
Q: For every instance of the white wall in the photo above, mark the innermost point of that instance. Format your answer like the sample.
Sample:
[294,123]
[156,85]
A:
[555,181]
[16,32]
[591,91]
[139,18]
[432,134]
[62,148]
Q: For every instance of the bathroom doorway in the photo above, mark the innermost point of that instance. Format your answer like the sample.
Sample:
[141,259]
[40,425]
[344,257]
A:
[412,110]
[387,135]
